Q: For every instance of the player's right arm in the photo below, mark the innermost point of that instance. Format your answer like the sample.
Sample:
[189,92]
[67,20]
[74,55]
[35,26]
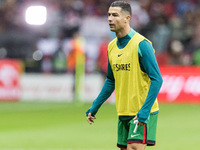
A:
[107,89]
[149,65]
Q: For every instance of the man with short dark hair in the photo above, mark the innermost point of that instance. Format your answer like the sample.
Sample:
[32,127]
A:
[134,74]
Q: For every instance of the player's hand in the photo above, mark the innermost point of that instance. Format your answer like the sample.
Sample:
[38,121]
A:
[139,122]
[90,118]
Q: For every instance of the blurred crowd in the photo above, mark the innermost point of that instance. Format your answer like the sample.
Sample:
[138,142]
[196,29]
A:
[80,26]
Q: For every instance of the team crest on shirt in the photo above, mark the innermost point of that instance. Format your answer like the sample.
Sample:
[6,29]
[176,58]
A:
[122,67]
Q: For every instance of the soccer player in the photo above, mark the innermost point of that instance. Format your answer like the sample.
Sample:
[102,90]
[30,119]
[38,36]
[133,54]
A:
[134,74]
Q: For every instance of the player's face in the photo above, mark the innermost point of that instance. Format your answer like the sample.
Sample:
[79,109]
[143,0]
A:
[116,19]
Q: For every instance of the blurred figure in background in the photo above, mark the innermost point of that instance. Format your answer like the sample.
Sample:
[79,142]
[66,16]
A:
[161,34]
[59,60]
[102,60]
[76,63]
[48,46]
[176,52]
[76,52]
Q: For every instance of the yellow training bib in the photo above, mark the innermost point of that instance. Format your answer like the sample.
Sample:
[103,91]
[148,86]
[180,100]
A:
[131,84]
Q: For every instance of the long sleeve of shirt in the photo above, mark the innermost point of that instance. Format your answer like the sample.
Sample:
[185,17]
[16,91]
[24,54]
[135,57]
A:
[149,65]
[107,89]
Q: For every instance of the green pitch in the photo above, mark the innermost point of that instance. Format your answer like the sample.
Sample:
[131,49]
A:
[63,126]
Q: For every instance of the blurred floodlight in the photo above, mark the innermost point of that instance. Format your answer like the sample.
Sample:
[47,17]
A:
[36,15]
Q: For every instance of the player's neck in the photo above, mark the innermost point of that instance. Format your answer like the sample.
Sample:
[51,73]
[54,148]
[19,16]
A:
[123,32]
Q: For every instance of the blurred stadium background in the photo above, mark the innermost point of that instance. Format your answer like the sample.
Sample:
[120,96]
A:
[53,61]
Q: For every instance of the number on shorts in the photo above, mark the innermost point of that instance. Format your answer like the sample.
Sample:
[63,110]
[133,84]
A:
[136,126]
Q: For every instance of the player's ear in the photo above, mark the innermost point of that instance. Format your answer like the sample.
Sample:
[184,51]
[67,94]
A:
[128,17]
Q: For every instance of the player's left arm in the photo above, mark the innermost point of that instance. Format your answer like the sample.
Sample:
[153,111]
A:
[149,65]
[107,89]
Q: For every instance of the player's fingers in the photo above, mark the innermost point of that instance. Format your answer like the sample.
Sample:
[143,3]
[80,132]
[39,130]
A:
[140,123]
[90,118]
[89,115]
[93,117]
[89,121]
[135,117]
